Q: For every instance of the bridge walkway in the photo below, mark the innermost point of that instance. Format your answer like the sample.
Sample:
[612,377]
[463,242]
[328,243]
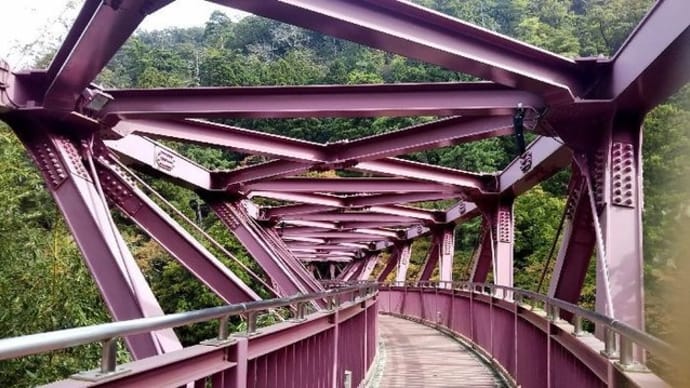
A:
[414,355]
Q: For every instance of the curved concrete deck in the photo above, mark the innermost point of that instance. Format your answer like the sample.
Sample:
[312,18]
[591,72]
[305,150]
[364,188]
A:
[414,355]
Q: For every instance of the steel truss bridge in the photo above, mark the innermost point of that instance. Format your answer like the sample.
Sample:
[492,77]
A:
[89,143]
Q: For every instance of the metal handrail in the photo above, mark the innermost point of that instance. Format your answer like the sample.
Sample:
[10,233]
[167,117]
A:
[61,339]
[625,332]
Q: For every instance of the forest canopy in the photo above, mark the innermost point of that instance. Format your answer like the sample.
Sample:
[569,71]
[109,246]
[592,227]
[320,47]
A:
[45,286]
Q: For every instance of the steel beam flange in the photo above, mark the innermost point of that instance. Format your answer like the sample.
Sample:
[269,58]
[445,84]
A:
[96,375]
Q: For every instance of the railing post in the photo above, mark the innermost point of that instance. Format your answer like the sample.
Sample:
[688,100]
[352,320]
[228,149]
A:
[610,350]
[347,379]
[333,302]
[109,356]
[251,322]
[626,352]
[577,323]
[552,312]
[223,330]
[300,312]
[108,367]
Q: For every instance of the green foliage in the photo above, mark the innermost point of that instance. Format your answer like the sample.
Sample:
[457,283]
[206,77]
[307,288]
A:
[537,216]
[45,286]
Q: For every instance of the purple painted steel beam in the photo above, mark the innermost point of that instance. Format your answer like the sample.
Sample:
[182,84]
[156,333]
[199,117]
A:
[352,247]
[91,43]
[172,237]
[383,224]
[329,259]
[115,272]
[305,155]
[405,252]
[482,259]
[293,211]
[348,185]
[429,173]
[327,201]
[301,252]
[446,253]
[234,138]
[654,61]
[319,233]
[462,210]
[387,166]
[86,13]
[355,270]
[614,170]
[577,244]
[330,235]
[272,265]
[323,255]
[502,227]
[345,225]
[163,160]
[430,260]
[441,133]
[383,199]
[344,271]
[432,99]
[370,264]
[312,199]
[416,32]
[280,247]
[353,217]
[391,264]
[231,180]
[544,157]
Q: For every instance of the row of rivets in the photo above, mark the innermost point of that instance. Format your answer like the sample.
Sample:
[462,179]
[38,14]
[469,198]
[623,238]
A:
[573,199]
[447,244]
[50,164]
[72,156]
[462,208]
[115,190]
[599,170]
[505,230]
[526,162]
[623,175]
[225,214]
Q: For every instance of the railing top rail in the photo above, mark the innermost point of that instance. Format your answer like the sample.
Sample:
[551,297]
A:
[61,339]
[658,347]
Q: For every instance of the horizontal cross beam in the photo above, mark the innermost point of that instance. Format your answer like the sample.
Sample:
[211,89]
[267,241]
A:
[303,156]
[432,99]
[349,185]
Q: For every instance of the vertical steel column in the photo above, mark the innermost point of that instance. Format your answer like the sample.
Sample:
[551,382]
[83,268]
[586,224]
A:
[403,262]
[446,252]
[616,172]
[502,233]
[122,285]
